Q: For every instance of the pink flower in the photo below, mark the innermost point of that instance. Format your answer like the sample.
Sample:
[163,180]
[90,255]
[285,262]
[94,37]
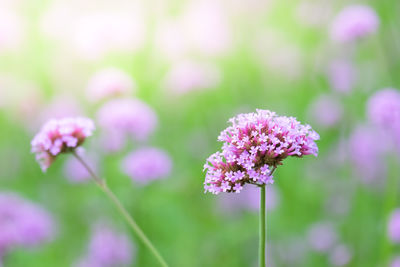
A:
[108,248]
[394,226]
[189,76]
[366,149]
[147,164]
[109,82]
[354,22]
[340,255]
[121,117]
[22,223]
[207,27]
[60,136]
[384,108]
[252,145]
[384,111]
[342,76]
[395,262]
[322,237]
[326,111]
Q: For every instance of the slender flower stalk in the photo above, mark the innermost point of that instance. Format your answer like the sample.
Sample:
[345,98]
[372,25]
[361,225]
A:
[262,227]
[66,136]
[122,210]
[253,147]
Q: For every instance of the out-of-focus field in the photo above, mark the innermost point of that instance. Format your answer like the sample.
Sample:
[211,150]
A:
[197,64]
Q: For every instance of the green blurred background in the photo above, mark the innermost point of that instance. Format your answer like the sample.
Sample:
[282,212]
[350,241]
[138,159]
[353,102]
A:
[275,55]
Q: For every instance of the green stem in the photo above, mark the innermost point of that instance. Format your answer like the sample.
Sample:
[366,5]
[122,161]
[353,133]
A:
[262,260]
[121,209]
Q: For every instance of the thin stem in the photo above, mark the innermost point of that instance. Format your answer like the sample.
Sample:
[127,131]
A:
[262,260]
[121,209]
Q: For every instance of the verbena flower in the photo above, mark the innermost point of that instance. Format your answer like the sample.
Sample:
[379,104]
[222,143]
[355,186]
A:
[109,82]
[342,75]
[354,22]
[22,223]
[107,248]
[340,255]
[147,164]
[60,136]
[384,108]
[127,116]
[394,226]
[326,111]
[322,236]
[366,150]
[187,76]
[395,262]
[253,145]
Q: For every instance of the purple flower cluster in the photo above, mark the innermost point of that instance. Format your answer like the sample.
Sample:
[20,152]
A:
[254,144]
[60,136]
[354,22]
[127,116]
[147,164]
[22,223]
[107,248]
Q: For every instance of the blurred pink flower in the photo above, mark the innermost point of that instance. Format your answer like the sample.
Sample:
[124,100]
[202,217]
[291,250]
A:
[340,255]
[60,136]
[170,39]
[249,199]
[384,108]
[59,107]
[109,82]
[342,76]
[366,148]
[12,30]
[22,223]
[107,248]
[326,111]
[206,27]
[121,117]
[354,22]
[147,164]
[394,226]
[100,32]
[92,29]
[395,262]
[189,76]
[322,237]
[384,111]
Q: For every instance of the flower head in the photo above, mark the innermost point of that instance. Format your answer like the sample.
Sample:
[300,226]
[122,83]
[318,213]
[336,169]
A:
[354,22]
[60,136]
[253,145]
[109,82]
[394,226]
[147,164]
[342,75]
[127,116]
[107,248]
[322,236]
[384,108]
[22,223]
